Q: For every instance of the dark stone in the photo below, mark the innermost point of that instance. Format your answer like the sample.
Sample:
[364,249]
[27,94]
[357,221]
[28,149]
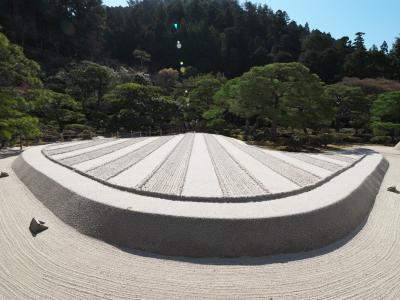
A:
[37,226]
[3,174]
[393,189]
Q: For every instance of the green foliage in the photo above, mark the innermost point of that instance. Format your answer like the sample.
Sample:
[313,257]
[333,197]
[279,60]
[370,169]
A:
[385,113]
[15,69]
[167,79]
[228,37]
[17,75]
[134,106]
[350,104]
[282,94]
[195,96]
[142,56]
[88,82]
[55,108]
[382,139]
[71,28]
[14,121]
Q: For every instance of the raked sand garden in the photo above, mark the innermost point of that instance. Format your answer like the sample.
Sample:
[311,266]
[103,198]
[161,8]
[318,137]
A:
[203,195]
[62,263]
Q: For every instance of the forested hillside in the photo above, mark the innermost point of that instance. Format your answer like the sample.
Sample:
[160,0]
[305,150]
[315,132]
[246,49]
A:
[190,65]
[217,36]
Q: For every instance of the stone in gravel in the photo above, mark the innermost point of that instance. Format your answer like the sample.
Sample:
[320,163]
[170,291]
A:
[37,226]
[3,174]
[393,189]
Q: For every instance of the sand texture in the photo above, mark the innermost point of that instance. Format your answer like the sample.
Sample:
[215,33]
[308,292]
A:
[61,263]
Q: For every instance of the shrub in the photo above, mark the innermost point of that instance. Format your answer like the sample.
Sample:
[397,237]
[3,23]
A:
[86,134]
[326,138]
[383,139]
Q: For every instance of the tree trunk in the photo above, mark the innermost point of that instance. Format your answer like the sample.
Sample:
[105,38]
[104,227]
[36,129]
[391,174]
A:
[273,128]
[246,128]
[20,142]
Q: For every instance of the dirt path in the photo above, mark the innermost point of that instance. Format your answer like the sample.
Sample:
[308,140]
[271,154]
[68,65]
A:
[60,263]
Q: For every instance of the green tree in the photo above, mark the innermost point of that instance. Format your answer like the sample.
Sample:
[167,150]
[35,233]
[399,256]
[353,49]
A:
[56,109]
[15,69]
[351,106]
[167,79]
[385,114]
[88,82]
[356,63]
[359,41]
[278,93]
[17,75]
[142,56]
[134,106]
[195,96]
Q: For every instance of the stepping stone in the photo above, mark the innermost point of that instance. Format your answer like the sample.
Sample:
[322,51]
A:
[393,189]
[3,174]
[37,226]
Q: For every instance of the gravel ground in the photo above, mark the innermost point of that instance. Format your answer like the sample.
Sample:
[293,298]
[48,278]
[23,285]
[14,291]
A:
[299,176]
[135,175]
[94,163]
[201,180]
[170,176]
[316,162]
[80,158]
[234,180]
[113,168]
[271,180]
[68,148]
[62,264]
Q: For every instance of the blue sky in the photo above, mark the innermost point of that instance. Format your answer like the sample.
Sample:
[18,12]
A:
[379,19]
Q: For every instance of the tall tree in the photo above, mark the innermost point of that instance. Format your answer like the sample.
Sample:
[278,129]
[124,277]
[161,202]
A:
[195,96]
[17,75]
[351,106]
[135,107]
[281,93]
[88,82]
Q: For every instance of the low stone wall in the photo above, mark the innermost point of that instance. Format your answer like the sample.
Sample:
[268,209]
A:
[213,233]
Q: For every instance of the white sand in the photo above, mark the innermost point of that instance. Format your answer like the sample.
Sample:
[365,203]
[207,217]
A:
[65,144]
[300,164]
[138,172]
[201,180]
[271,180]
[224,166]
[88,149]
[169,178]
[87,165]
[328,159]
[62,264]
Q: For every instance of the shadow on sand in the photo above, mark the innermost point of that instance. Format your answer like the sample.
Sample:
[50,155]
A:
[6,152]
